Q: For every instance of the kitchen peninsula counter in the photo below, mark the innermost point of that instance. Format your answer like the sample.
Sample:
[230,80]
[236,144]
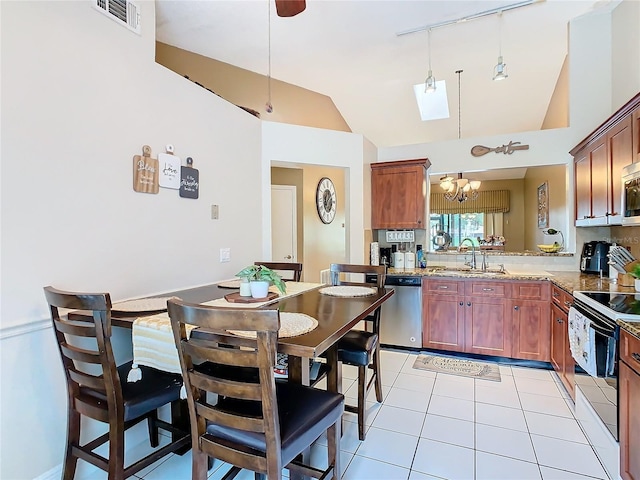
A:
[568,281]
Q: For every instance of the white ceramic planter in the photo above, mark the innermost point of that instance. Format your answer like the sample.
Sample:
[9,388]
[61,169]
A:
[259,289]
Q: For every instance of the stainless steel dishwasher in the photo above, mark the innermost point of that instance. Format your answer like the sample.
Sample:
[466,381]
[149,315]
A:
[401,315]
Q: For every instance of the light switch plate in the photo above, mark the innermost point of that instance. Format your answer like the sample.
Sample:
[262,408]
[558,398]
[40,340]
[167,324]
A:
[225,255]
[215,212]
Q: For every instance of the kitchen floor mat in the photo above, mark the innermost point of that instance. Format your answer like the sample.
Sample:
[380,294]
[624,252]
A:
[458,366]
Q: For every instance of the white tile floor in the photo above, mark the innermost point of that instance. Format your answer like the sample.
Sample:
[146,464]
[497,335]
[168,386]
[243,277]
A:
[438,426]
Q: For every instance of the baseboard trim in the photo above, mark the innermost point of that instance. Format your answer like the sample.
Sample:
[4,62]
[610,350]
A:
[54,474]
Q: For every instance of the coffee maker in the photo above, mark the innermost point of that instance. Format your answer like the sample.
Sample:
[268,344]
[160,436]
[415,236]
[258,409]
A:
[385,256]
[594,257]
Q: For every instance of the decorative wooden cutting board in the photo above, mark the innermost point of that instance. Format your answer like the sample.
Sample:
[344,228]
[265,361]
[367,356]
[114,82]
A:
[145,172]
[236,298]
[189,180]
[169,170]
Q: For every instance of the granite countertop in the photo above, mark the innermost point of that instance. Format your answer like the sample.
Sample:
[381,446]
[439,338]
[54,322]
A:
[568,281]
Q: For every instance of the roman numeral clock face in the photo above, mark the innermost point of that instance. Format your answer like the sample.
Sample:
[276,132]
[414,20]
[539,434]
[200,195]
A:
[326,200]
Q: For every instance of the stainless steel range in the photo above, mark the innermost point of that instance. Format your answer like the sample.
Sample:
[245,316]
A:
[593,336]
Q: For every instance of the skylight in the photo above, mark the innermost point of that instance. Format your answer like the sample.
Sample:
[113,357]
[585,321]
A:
[432,105]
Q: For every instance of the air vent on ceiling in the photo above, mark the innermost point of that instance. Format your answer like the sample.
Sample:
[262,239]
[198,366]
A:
[122,11]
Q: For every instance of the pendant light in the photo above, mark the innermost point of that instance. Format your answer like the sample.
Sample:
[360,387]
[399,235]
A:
[268,106]
[430,82]
[460,189]
[500,70]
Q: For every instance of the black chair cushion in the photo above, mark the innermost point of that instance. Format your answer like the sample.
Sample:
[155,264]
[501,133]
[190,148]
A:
[356,347]
[157,388]
[304,412]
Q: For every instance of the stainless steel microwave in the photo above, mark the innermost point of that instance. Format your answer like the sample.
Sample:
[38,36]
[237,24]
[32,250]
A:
[631,194]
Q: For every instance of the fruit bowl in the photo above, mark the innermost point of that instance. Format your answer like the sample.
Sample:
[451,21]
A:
[550,248]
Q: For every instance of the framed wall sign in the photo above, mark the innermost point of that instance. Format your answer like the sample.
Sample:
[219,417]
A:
[543,205]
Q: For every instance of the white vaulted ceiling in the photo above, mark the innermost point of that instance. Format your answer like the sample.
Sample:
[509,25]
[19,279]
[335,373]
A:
[350,51]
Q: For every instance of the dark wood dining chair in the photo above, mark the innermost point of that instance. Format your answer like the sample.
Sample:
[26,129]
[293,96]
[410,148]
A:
[294,268]
[97,388]
[359,347]
[260,425]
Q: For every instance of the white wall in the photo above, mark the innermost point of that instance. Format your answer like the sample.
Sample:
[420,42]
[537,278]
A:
[81,95]
[290,145]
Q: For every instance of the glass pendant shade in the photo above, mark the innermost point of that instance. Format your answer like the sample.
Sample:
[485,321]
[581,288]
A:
[430,83]
[459,189]
[500,70]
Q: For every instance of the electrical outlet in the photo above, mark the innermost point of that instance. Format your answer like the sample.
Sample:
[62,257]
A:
[215,212]
[225,255]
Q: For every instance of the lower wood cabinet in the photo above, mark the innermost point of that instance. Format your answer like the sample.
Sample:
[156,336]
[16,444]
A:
[499,318]
[487,319]
[560,352]
[629,405]
[443,314]
[531,330]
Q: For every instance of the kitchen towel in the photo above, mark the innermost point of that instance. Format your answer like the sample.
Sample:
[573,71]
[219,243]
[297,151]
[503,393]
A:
[582,342]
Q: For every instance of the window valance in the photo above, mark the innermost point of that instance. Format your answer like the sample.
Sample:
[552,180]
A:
[488,201]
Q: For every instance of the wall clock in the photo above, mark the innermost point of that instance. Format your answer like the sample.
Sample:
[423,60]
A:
[326,200]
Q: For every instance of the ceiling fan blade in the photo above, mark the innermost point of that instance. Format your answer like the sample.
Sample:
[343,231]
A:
[289,8]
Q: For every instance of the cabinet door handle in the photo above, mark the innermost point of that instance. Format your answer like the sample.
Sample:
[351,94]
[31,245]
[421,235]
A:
[443,287]
[559,320]
[636,357]
[516,307]
[468,304]
[461,304]
[555,294]
[487,289]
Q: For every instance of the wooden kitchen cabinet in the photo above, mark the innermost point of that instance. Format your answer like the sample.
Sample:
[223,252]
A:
[635,133]
[560,353]
[529,308]
[598,163]
[443,314]
[465,316]
[487,319]
[398,194]
[629,405]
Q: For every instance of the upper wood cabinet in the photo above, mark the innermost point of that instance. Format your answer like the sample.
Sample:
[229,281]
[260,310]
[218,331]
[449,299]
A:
[598,163]
[398,194]
[635,127]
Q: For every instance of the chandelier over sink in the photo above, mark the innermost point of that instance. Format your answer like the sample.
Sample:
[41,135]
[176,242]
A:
[460,189]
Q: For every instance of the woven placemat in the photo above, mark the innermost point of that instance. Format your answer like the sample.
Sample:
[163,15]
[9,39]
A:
[348,291]
[154,304]
[291,325]
[230,284]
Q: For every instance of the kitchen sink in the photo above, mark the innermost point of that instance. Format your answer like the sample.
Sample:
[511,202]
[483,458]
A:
[467,271]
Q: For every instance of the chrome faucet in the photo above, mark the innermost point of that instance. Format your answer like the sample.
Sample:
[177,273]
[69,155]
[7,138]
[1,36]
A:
[473,252]
[485,264]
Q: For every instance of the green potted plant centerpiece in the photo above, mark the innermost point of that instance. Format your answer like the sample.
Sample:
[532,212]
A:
[260,277]
[635,273]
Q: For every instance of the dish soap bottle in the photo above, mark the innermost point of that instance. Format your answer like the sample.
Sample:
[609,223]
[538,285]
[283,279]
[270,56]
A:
[421,260]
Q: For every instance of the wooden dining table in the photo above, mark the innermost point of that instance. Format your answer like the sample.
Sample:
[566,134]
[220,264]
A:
[335,316]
